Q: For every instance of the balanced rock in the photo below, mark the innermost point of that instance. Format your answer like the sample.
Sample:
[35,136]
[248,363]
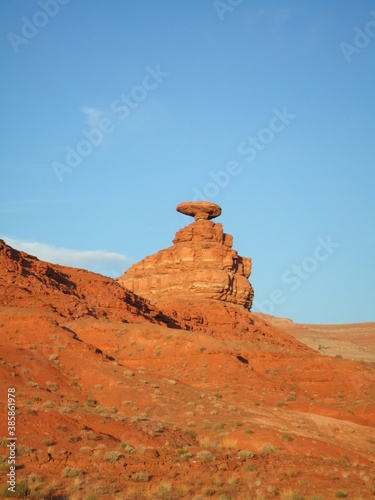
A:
[201,264]
[199,209]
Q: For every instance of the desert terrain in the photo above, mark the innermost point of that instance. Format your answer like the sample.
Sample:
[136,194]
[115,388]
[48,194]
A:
[118,396]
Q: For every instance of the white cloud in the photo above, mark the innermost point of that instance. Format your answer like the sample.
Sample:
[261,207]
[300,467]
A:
[93,116]
[100,261]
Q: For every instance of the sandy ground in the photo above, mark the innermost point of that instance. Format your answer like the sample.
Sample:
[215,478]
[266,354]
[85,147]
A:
[354,341]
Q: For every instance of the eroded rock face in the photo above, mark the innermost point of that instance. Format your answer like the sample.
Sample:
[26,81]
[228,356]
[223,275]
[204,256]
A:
[199,209]
[201,264]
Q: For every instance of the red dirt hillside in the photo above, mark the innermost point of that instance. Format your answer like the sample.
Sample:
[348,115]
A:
[118,397]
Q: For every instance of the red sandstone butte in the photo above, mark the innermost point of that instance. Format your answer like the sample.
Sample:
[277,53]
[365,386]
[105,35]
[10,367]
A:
[201,264]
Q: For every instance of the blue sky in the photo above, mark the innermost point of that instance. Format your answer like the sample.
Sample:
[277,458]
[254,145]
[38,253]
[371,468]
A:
[115,112]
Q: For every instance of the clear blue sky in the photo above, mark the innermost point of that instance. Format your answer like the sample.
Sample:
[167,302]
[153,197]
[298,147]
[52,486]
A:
[280,95]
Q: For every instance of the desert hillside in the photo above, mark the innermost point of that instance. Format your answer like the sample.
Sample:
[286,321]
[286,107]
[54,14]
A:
[355,341]
[117,398]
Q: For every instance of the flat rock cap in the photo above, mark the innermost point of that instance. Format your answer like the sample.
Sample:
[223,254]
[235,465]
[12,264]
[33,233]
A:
[199,209]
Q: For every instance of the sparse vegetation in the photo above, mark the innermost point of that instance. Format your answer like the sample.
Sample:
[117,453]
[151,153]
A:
[290,495]
[48,442]
[127,448]
[90,435]
[219,426]
[112,456]
[72,472]
[164,490]
[267,448]
[287,437]
[73,438]
[205,455]
[246,454]
[141,477]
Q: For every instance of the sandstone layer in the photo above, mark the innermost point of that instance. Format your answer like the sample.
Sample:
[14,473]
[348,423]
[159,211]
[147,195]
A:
[201,264]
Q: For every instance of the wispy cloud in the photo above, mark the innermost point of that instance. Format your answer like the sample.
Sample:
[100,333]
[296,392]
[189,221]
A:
[100,261]
[93,116]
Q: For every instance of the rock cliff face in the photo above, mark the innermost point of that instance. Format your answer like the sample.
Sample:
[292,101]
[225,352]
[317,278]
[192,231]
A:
[201,264]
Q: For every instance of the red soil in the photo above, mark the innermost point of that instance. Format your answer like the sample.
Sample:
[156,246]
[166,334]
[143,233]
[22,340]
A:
[118,398]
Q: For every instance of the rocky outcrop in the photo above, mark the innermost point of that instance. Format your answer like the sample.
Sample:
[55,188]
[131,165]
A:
[201,264]
[199,209]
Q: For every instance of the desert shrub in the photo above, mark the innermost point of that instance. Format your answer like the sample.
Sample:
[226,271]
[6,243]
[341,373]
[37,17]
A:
[23,450]
[127,448]
[191,433]
[90,435]
[219,426]
[91,402]
[52,386]
[291,397]
[65,409]
[48,442]
[205,455]
[22,490]
[112,456]
[209,492]
[31,383]
[73,438]
[290,495]
[246,454]
[287,437]
[340,494]
[141,477]
[72,472]
[164,490]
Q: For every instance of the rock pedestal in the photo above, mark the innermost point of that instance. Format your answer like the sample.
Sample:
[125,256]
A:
[201,264]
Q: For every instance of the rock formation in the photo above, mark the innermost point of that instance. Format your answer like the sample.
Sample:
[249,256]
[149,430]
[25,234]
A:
[201,264]
[199,209]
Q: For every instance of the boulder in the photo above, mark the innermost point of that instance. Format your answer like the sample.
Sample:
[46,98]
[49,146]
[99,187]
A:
[199,209]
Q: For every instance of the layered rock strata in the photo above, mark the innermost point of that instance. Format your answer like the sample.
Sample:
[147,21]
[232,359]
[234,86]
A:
[201,264]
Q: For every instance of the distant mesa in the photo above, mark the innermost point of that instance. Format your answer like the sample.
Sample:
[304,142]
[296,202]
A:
[201,264]
[199,209]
